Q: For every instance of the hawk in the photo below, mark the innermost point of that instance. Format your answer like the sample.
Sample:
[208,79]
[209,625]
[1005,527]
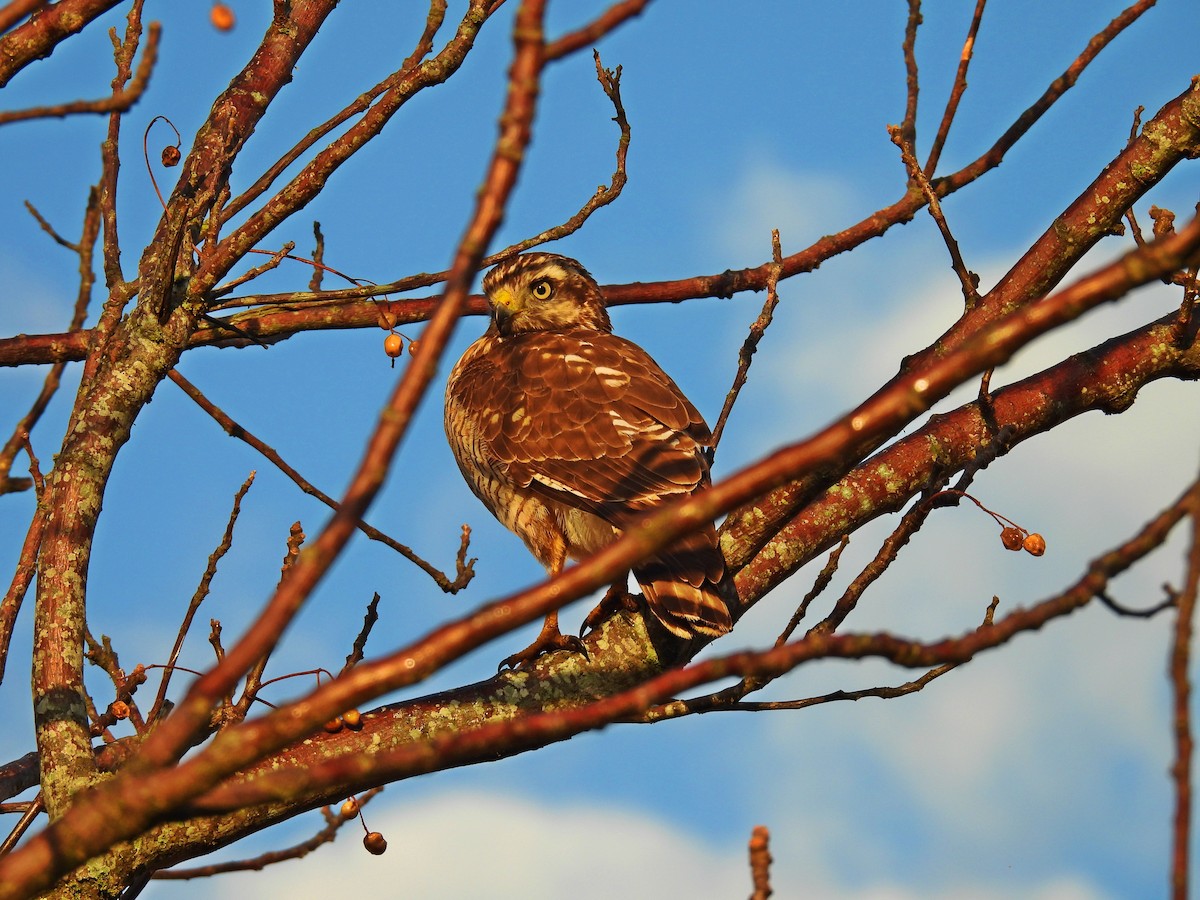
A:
[569,433]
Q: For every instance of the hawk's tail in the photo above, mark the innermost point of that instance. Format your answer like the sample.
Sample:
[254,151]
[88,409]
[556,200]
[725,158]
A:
[686,588]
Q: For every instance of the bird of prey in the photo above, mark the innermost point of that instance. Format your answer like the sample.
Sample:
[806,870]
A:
[569,433]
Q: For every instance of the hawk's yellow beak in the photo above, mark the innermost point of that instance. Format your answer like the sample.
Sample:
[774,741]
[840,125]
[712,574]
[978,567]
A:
[505,302]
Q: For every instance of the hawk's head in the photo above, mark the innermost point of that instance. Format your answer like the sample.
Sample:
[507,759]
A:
[544,292]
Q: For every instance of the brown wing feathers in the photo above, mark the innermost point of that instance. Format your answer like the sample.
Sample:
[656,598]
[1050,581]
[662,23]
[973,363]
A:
[586,423]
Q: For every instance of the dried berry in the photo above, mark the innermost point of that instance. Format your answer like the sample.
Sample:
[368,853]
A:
[350,808]
[171,156]
[1013,538]
[1035,544]
[393,345]
[119,709]
[352,718]
[222,17]
[334,725]
[374,843]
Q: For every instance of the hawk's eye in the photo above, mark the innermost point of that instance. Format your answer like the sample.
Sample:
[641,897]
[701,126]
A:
[542,289]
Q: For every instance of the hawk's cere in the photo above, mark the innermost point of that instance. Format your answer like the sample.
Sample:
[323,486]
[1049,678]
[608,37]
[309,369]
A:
[568,433]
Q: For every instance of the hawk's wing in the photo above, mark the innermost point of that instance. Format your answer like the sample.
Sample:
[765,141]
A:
[584,417]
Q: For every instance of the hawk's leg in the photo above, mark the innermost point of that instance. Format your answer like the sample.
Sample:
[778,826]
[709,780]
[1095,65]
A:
[549,638]
[616,599]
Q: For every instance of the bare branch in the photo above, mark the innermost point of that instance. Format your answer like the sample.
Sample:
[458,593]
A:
[118,102]
[38,37]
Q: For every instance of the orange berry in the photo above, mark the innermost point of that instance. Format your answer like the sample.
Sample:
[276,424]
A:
[393,345]
[1012,538]
[350,808]
[222,17]
[352,718]
[374,843]
[412,348]
[170,156]
[1035,544]
[334,725]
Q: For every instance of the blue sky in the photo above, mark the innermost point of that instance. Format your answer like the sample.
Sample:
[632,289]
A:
[1038,771]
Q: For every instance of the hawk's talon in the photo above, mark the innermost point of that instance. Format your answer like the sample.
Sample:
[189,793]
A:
[616,599]
[549,640]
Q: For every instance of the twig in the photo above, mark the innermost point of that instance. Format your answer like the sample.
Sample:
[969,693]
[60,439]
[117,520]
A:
[594,30]
[760,862]
[254,675]
[433,22]
[1105,598]
[49,229]
[750,345]
[968,279]
[119,292]
[318,255]
[360,643]
[326,835]
[201,592]
[32,811]
[1180,663]
[117,102]
[465,571]
[956,92]
[253,272]
[822,581]
[37,38]
[910,524]
[908,130]
[84,249]
[882,693]
[610,83]
[26,567]
[1135,230]
[101,654]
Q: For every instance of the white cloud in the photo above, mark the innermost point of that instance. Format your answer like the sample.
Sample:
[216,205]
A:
[767,194]
[470,844]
